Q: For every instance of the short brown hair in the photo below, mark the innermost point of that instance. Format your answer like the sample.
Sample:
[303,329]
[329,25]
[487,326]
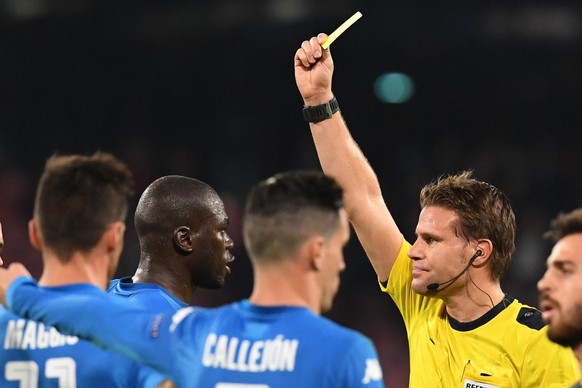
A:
[78,197]
[565,224]
[483,212]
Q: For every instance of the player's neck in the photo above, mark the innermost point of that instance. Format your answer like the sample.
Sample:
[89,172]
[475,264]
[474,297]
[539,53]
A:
[283,288]
[471,303]
[89,268]
[177,281]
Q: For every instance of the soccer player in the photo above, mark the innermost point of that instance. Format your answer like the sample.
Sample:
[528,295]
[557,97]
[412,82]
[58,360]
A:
[181,225]
[463,330]
[295,230]
[561,286]
[78,225]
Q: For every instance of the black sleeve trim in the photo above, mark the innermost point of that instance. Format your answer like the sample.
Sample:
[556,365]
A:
[530,317]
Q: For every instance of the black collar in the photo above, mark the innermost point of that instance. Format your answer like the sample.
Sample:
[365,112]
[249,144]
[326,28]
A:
[489,315]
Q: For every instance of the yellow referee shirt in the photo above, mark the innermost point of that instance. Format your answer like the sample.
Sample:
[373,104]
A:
[506,347]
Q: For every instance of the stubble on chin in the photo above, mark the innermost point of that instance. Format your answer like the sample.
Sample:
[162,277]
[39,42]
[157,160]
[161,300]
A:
[569,334]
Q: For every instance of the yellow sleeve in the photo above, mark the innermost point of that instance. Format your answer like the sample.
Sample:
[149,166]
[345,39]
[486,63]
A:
[548,364]
[399,287]
[400,275]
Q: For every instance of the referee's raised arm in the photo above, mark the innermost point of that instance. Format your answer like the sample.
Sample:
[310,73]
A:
[341,157]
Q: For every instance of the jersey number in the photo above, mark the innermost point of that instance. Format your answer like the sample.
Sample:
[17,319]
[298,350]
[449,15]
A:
[63,369]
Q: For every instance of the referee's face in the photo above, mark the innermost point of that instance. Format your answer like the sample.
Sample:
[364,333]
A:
[439,253]
[561,291]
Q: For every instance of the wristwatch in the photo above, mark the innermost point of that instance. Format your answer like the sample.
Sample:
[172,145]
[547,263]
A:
[317,113]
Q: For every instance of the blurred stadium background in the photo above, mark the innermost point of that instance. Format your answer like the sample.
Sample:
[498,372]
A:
[206,89]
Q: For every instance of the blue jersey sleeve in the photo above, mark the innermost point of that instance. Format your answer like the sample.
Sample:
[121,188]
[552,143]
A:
[361,367]
[109,322]
[136,375]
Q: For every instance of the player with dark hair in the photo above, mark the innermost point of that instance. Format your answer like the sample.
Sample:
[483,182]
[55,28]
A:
[561,286]
[181,224]
[462,328]
[78,224]
[295,229]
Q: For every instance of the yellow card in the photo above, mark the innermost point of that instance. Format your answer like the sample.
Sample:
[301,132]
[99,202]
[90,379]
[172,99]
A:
[340,30]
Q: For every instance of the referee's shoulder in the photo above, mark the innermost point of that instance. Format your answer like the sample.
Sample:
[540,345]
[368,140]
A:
[530,317]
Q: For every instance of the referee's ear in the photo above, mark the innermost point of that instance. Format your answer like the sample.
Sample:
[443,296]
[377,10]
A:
[483,251]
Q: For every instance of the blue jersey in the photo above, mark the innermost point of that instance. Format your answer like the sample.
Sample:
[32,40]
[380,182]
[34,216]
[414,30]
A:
[147,295]
[34,355]
[237,345]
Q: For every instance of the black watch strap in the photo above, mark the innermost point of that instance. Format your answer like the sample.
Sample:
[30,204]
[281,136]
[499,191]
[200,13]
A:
[317,113]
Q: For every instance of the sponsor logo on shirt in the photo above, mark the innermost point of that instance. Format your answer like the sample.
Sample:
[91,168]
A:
[373,371]
[24,334]
[179,316]
[232,353]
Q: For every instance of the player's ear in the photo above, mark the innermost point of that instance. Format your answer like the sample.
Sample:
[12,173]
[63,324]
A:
[115,234]
[315,248]
[34,235]
[183,239]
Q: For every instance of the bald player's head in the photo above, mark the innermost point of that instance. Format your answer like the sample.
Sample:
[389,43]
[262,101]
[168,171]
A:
[173,201]
[181,224]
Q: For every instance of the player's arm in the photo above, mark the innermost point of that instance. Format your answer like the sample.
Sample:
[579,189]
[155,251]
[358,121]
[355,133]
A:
[111,323]
[341,158]
[8,276]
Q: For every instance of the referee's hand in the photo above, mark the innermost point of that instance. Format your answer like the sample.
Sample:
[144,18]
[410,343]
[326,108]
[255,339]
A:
[313,71]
